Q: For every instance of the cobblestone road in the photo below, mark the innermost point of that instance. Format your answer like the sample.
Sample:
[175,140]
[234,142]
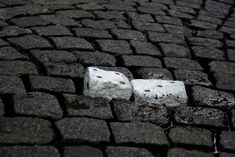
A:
[45,47]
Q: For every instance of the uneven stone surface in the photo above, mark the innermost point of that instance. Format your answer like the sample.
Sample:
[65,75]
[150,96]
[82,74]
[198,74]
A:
[227,141]
[184,153]
[85,151]
[141,61]
[11,85]
[154,73]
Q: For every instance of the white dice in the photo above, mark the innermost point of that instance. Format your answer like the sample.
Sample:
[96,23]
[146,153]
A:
[106,84]
[172,93]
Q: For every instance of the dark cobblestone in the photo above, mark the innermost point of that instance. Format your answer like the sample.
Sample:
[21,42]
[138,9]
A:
[222,154]
[9,53]
[140,17]
[143,26]
[30,21]
[8,13]
[173,50]
[83,130]
[25,130]
[210,34]
[45,83]
[30,42]
[76,14]
[168,20]
[204,42]
[28,151]
[52,31]
[11,85]
[60,20]
[225,81]
[141,61]
[88,106]
[202,24]
[1,108]
[182,63]
[127,151]
[192,77]
[154,73]
[109,15]
[222,66]
[71,43]
[38,104]
[95,58]
[208,53]
[189,136]
[17,68]
[99,24]
[227,140]
[91,33]
[151,10]
[11,31]
[115,46]
[145,48]
[130,133]
[185,153]
[84,151]
[231,54]
[166,38]
[213,98]
[127,34]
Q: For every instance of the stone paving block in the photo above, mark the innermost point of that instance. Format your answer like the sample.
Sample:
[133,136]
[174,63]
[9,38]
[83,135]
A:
[29,151]
[30,21]
[123,70]
[222,154]
[8,13]
[173,50]
[179,14]
[84,151]
[91,33]
[53,56]
[144,26]
[128,34]
[9,53]
[222,67]
[30,42]
[151,10]
[95,58]
[58,19]
[178,30]
[52,31]
[145,48]
[11,85]
[230,53]
[202,24]
[224,81]
[98,24]
[83,130]
[182,63]
[119,7]
[52,84]
[112,151]
[190,136]
[153,5]
[168,20]
[17,68]
[71,43]
[210,34]
[183,9]
[179,152]
[106,84]
[90,6]
[230,43]
[154,73]
[38,104]
[87,106]
[76,14]
[171,93]
[66,70]
[210,18]
[11,31]
[138,133]
[109,15]
[192,77]
[34,9]
[141,61]
[200,116]
[1,108]
[166,38]
[208,53]
[213,98]
[25,130]
[140,17]
[115,46]
[164,2]
[188,4]
[227,139]
[140,111]
[198,41]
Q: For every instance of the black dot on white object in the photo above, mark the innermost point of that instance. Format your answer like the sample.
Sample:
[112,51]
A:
[121,82]
[147,90]
[99,76]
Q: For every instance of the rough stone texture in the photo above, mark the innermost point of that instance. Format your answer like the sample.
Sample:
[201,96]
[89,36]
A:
[190,136]
[222,154]
[45,83]
[154,73]
[25,130]
[144,26]
[141,61]
[84,151]
[38,104]
[88,106]
[52,31]
[204,42]
[127,151]
[11,31]
[91,33]
[210,34]
[106,84]
[29,151]
[139,133]
[208,97]
[173,50]
[9,53]
[208,53]
[166,38]
[192,77]
[11,85]
[145,48]
[224,81]
[30,21]
[115,46]
[140,111]
[83,130]
[227,140]
[127,34]
[231,54]
[182,63]
[185,153]
[222,66]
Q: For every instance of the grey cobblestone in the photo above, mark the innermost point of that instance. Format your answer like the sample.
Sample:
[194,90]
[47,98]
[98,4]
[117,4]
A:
[85,151]
[11,85]
[141,61]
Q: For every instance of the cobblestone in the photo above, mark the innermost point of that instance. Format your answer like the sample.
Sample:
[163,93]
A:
[173,50]
[141,61]
[184,153]
[52,31]
[127,34]
[11,85]
[182,63]
[85,151]
[154,73]
[208,53]
[226,140]
[11,31]
[145,48]
[91,33]
[9,53]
